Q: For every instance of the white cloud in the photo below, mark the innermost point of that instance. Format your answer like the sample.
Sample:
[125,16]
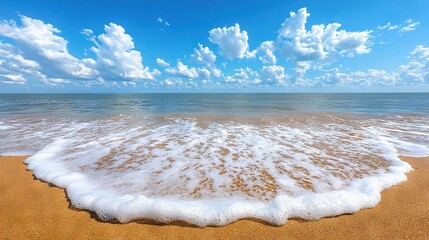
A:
[116,59]
[204,55]
[39,52]
[43,54]
[274,75]
[410,26]
[301,68]
[167,82]
[232,42]
[183,70]
[297,43]
[243,76]
[15,69]
[12,56]
[87,32]
[163,23]
[406,26]
[129,84]
[266,53]
[216,72]
[162,63]
[388,27]
[417,69]
[178,82]
[204,73]
[40,42]
[371,77]
[12,79]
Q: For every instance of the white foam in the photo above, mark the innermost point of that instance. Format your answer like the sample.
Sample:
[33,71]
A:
[171,170]
[3,126]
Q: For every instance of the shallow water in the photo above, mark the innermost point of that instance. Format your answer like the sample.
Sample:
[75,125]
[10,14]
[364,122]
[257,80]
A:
[165,161]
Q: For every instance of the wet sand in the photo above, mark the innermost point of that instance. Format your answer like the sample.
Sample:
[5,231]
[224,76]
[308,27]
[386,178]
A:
[33,209]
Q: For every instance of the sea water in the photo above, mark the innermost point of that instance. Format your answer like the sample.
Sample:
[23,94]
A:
[211,159]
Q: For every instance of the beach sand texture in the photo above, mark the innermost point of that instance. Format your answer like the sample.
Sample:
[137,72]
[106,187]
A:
[33,209]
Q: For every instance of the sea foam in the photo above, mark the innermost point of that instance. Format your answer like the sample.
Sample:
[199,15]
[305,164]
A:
[216,172]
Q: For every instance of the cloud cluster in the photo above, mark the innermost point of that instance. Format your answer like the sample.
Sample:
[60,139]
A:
[39,52]
[243,76]
[274,75]
[416,71]
[410,25]
[232,42]
[297,43]
[204,55]
[371,77]
[407,26]
[44,55]
[15,69]
[39,42]
[116,59]
[183,70]
[266,53]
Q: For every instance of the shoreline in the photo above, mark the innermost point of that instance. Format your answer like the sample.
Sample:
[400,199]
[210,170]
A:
[35,209]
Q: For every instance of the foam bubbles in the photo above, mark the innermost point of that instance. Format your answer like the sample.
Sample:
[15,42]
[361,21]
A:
[215,172]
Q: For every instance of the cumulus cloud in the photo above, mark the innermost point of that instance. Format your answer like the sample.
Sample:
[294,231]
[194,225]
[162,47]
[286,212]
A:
[216,72]
[178,82]
[204,55]
[15,69]
[232,42]
[266,53]
[116,59]
[42,54]
[274,75]
[162,63]
[183,70]
[243,76]
[297,43]
[371,77]
[39,52]
[417,69]
[41,43]
[204,73]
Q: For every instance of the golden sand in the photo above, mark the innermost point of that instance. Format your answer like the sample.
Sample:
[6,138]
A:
[33,209]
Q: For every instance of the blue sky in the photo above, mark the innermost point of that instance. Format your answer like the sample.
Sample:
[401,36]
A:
[222,46]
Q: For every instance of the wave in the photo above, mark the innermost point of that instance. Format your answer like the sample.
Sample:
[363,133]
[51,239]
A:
[211,172]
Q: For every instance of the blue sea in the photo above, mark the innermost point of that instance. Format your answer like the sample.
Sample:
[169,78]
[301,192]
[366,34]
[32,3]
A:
[210,159]
[194,104]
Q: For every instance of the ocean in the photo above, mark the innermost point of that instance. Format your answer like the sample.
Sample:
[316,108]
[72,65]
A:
[210,159]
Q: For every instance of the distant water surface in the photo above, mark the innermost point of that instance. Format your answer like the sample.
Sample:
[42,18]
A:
[162,104]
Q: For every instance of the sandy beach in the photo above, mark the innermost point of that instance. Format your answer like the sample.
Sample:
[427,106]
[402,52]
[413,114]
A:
[32,209]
